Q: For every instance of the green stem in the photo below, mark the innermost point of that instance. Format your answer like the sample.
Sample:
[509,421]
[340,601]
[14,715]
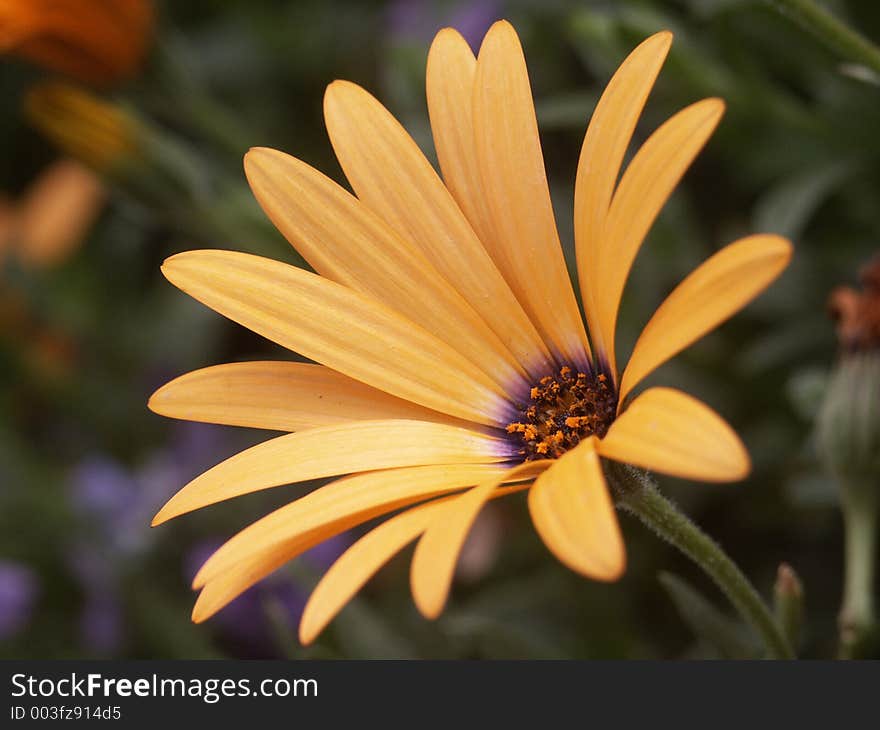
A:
[637,494]
[836,35]
[857,612]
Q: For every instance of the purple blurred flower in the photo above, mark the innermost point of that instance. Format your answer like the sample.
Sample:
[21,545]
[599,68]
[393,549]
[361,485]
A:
[408,18]
[197,555]
[101,487]
[91,565]
[243,621]
[111,499]
[472,19]
[119,503]
[116,505]
[196,446]
[18,591]
[101,622]
[324,554]
[419,20]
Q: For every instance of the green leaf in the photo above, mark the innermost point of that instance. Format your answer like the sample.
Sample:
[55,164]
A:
[727,637]
[787,208]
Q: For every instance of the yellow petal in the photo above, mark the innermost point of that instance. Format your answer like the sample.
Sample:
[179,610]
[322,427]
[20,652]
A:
[452,68]
[668,431]
[605,144]
[327,518]
[359,563]
[333,450]
[391,175]
[646,186]
[339,328]
[345,241]
[437,552]
[573,513]
[231,584]
[280,396]
[342,504]
[526,244]
[712,293]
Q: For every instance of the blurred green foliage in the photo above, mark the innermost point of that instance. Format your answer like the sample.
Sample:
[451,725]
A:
[84,344]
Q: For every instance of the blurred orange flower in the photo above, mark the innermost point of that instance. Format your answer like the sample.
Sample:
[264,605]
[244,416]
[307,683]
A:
[84,126]
[50,220]
[97,42]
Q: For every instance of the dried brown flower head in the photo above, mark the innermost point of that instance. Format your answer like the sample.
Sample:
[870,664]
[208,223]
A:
[856,314]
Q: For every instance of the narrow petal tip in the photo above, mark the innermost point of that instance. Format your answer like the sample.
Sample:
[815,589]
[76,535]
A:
[173,264]
[338,94]
[257,162]
[661,38]
[257,149]
[781,245]
[500,31]
[714,105]
[307,631]
[153,403]
[253,156]
[430,605]
[740,462]
[156,402]
[199,614]
[168,263]
[340,86]
[200,580]
[619,572]
[446,34]
[169,510]
[612,570]
[657,44]
[501,24]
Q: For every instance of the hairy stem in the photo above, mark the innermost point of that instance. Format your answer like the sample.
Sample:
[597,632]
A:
[637,493]
[857,622]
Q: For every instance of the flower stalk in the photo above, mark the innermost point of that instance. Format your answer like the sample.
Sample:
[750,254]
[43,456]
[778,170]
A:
[832,32]
[848,442]
[857,613]
[637,493]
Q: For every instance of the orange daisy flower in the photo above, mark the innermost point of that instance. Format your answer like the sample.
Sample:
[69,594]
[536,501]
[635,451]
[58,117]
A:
[95,41]
[455,366]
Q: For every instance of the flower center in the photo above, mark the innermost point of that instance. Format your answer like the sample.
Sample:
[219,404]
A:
[563,409]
